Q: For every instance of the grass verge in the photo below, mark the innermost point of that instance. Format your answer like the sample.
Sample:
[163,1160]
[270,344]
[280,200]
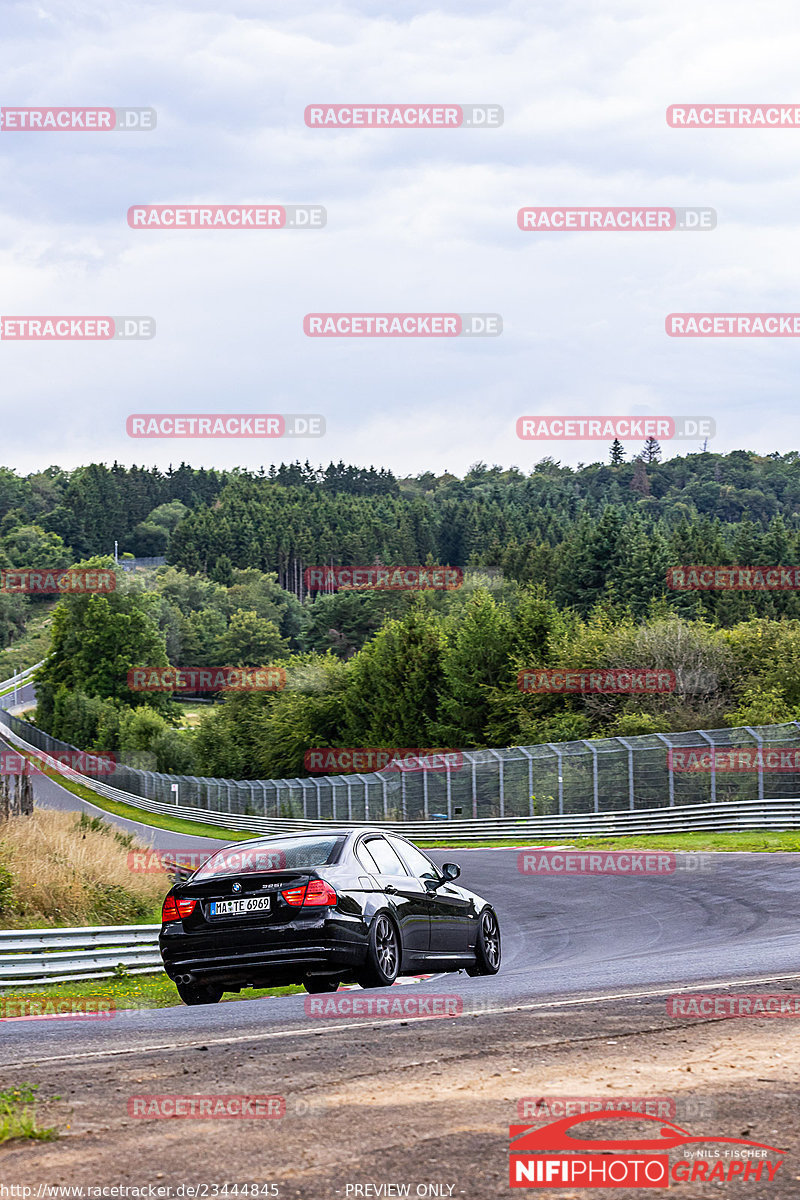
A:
[18,1115]
[129,811]
[765,840]
[124,992]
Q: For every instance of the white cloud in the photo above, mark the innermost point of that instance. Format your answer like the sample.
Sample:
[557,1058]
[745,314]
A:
[416,222]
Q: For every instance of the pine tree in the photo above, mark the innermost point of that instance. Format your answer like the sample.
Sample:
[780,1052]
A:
[652,451]
[617,453]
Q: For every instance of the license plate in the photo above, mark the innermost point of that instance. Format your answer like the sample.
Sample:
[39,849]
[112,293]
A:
[229,908]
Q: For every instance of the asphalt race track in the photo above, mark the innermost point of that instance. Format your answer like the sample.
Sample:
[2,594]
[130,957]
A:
[719,918]
[579,1008]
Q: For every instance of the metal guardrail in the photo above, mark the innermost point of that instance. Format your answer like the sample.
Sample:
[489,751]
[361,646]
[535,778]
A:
[18,680]
[35,956]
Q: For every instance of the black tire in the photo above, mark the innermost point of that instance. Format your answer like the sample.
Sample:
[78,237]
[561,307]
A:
[383,954]
[321,983]
[488,951]
[199,993]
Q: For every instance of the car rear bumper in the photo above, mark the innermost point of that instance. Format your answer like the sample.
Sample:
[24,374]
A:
[262,955]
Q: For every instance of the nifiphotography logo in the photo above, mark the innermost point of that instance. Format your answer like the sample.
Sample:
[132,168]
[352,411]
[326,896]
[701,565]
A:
[564,1153]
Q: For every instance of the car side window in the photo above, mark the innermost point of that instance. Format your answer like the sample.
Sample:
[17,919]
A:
[416,861]
[365,858]
[385,857]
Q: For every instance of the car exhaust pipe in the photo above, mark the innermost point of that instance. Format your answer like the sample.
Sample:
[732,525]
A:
[184,978]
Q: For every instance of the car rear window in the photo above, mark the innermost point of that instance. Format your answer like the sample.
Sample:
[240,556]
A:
[273,855]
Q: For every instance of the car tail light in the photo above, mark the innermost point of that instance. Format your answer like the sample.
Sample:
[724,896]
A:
[175,908]
[315,894]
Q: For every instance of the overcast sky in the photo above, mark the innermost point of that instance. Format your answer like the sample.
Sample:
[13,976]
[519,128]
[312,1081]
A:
[418,221]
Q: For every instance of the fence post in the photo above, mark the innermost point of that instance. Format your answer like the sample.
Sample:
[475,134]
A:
[449,795]
[474,787]
[385,791]
[365,781]
[529,757]
[595,790]
[629,748]
[670,769]
[760,741]
[559,755]
[425,793]
[713,765]
[403,802]
[348,785]
[319,799]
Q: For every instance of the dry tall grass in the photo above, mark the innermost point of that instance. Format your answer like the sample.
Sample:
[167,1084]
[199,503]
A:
[59,869]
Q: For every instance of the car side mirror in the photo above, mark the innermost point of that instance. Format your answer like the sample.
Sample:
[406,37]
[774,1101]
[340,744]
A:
[451,871]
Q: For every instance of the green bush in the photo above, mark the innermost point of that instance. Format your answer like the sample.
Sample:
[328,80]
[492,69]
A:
[6,890]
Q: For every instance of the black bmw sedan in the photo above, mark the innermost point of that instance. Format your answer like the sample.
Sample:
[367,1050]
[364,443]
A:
[321,908]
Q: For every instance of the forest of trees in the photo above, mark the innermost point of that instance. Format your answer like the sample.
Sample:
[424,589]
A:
[563,567]
[425,669]
[590,533]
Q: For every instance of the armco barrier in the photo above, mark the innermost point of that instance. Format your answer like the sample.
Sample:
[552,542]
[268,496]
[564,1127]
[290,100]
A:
[9,686]
[678,805]
[34,956]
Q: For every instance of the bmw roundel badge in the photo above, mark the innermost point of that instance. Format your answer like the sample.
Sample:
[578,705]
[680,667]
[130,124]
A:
[237,887]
